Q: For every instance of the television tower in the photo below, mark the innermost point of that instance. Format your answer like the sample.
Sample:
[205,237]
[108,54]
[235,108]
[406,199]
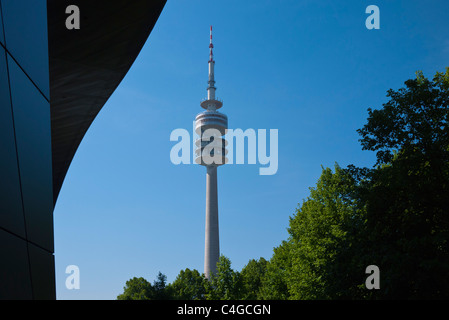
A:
[211,151]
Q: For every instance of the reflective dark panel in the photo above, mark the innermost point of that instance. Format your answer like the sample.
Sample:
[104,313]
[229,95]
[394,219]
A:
[33,138]
[25,26]
[11,214]
[42,264]
[14,268]
[2,39]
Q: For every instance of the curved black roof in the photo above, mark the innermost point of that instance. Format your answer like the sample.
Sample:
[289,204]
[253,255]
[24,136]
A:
[87,65]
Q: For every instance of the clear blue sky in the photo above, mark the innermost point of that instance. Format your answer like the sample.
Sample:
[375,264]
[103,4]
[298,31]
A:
[307,68]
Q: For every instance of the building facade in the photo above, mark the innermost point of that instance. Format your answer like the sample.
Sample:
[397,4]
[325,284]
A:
[26,204]
[53,83]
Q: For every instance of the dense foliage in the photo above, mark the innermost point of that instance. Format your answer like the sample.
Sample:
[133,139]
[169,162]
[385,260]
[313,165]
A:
[394,215]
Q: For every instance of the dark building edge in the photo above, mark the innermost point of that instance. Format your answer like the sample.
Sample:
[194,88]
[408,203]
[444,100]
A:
[88,64]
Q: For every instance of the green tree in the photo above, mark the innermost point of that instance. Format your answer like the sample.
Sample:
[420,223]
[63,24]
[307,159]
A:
[189,285]
[252,275]
[317,231]
[136,289]
[160,289]
[225,284]
[406,195]
[141,289]
[275,281]
[414,121]
[394,215]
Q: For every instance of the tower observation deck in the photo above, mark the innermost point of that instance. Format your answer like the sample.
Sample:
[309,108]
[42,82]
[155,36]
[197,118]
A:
[211,152]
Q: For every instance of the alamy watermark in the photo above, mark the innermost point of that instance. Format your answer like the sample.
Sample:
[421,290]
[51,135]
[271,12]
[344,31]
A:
[373,20]
[73,20]
[183,152]
[73,280]
[373,280]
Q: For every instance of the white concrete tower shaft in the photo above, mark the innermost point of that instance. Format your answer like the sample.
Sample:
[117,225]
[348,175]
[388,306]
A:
[212,238]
